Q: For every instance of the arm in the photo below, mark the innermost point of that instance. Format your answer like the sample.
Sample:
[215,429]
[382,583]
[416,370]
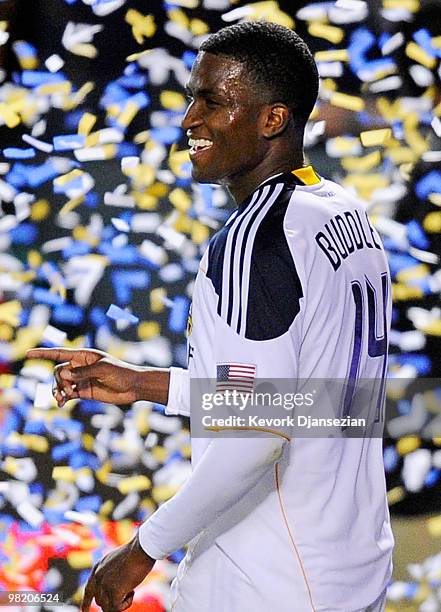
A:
[229,468]
[93,374]
[227,471]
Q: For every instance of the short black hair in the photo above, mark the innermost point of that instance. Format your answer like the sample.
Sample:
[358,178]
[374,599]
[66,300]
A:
[276,58]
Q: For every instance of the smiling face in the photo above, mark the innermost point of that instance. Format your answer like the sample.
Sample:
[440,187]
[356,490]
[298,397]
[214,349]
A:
[223,121]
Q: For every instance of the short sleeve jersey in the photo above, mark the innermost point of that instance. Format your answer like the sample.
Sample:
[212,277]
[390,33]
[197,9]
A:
[296,286]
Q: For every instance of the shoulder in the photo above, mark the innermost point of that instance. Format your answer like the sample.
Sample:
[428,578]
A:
[252,268]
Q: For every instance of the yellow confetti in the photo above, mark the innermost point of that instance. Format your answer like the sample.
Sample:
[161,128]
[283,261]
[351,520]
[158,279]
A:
[374,138]
[136,56]
[80,559]
[199,232]
[198,27]
[144,201]
[102,472]
[413,273]
[50,89]
[434,526]
[163,493]
[177,160]
[9,312]
[346,101]
[40,210]
[395,495]
[143,26]
[321,30]
[88,441]
[6,334]
[432,222]
[408,444]
[84,50]
[418,54]
[180,199]
[9,116]
[365,184]
[134,483]
[158,190]
[71,205]
[86,123]
[69,176]
[79,96]
[402,292]
[7,381]
[402,155]
[409,5]
[106,508]
[157,297]
[148,330]
[179,17]
[172,100]
[334,55]
[160,453]
[35,443]
[182,223]
[432,329]
[270,11]
[361,164]
[63,472]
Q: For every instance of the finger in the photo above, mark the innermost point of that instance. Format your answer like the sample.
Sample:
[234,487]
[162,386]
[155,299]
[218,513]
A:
[103,600]
[87,372]
[112,601]
[63,376]
[126,602]
[53,354]
[89,594]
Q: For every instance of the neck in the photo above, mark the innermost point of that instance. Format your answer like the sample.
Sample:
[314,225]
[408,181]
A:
[242,186]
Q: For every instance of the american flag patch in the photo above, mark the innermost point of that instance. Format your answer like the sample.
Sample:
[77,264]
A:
[235,376]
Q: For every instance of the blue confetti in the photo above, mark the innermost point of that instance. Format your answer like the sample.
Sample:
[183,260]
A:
[124,281]
[17,153]
[429,183]
[177,321]
[118,314]
[68,142]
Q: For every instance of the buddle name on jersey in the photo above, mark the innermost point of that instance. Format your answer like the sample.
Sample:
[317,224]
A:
[345,234]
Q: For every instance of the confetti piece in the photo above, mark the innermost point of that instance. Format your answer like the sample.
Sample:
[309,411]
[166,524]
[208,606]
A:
[16,153]
[116,313]
[143,26]
[331,33]
[134,483]
[374,138]
[418,54]
[346,101]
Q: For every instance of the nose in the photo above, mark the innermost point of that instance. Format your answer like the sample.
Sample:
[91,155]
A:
[192,117]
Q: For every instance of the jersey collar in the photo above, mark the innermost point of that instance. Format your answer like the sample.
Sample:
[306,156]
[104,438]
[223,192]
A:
[304,176]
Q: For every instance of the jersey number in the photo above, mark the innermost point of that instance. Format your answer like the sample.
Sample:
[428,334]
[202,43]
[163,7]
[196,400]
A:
[377,345]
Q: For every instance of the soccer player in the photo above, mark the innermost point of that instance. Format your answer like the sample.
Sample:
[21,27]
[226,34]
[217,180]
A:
[295,286]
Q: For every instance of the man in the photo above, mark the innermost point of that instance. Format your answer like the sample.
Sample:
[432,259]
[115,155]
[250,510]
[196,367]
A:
[295,286]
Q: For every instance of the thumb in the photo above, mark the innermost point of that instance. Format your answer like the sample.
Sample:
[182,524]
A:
[87,372]
[126,602]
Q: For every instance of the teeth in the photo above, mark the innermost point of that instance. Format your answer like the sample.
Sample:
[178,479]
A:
[199,143]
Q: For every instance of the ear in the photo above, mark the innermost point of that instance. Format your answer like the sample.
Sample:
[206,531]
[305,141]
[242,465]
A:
[275,118]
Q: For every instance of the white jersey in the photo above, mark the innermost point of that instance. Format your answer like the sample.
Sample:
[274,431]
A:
[295,286]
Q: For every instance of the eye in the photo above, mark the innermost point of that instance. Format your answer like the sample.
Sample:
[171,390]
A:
[211,103]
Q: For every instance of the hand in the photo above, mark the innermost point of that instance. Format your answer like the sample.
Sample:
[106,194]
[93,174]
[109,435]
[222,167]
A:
[90,374]
[114,578]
